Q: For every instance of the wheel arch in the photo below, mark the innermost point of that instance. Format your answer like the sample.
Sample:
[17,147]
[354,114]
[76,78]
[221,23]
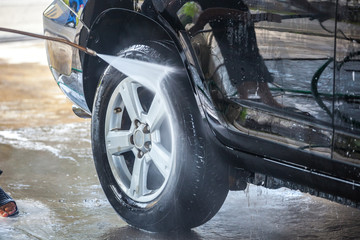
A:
[113,30]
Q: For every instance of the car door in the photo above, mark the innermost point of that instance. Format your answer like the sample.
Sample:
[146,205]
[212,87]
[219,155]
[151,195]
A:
[347,84]
[278,101]
[312,54]
[292,121]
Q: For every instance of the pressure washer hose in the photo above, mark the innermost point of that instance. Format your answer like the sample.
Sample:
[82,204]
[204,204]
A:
[54,39]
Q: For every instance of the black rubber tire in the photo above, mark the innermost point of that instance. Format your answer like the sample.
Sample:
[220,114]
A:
[198,182]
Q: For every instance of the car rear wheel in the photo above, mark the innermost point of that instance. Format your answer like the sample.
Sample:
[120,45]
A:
[150,149]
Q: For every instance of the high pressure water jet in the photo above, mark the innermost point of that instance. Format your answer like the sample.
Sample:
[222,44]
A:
[129,67]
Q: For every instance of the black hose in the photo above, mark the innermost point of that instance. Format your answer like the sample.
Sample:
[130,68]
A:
[314,89]
[344,117]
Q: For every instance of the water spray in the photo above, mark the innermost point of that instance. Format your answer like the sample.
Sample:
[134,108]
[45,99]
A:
[54,39]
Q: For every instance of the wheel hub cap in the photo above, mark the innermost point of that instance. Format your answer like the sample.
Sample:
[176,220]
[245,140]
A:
[139,139]
[142,138]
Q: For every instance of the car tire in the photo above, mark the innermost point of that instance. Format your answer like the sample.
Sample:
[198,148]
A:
[155,162]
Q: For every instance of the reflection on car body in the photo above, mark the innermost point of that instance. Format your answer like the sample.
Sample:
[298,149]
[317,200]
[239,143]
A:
[276,84]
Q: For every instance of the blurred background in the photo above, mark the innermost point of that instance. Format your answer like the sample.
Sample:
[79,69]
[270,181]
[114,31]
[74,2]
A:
[24,14]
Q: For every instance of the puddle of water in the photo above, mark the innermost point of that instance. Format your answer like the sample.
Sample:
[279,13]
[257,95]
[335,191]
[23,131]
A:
[37,221]
[52,139]
[57,198]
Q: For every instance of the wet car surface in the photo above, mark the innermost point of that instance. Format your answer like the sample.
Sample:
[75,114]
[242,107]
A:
[48,169]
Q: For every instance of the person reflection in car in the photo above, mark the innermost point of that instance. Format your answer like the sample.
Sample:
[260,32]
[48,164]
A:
[237,41]
[236,38]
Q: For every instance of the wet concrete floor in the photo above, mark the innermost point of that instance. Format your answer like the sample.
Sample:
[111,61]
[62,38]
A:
[45,153]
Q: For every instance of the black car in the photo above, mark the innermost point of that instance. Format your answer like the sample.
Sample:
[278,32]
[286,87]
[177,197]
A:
[211,95]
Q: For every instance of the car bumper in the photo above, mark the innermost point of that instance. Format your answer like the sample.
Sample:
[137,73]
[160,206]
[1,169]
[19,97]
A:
[64,61]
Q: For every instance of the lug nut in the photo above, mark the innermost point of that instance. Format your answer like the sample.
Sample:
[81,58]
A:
[117,110]
[137,123]
[148,145]
[146,129]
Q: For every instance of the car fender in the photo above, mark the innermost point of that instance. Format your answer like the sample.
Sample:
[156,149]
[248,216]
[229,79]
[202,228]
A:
[113,30]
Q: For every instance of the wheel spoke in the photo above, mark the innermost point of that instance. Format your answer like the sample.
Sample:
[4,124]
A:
[118,142]
[131,100]
[121,168]
[156,114]
[161,158]
[138,185]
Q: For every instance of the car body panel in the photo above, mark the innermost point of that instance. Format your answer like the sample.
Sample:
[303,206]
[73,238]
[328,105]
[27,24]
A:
[64,61]
[347,76]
